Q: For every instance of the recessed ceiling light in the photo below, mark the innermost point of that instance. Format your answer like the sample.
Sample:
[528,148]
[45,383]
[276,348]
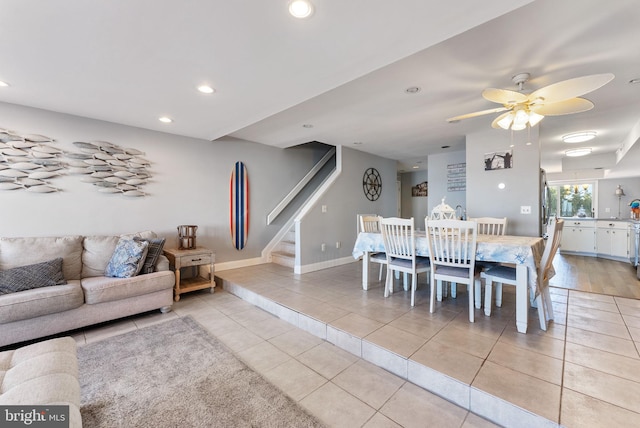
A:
[415,167]
[634,81]
[579,137]
[165,119]
[300,8]
[307,125]
[3,83]
[578,152]
[206,89]
[412,90]
[357,143]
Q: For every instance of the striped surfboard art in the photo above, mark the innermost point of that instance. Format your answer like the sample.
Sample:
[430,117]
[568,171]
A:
[239,205]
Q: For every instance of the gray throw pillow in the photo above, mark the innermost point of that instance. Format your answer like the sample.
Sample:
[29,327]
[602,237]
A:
[37,275]
[154,251]
[127,259]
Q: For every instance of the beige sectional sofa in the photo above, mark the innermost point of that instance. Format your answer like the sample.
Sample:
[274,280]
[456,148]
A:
[88,297]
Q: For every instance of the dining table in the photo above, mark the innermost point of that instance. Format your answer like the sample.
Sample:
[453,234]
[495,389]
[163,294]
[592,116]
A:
[524,252]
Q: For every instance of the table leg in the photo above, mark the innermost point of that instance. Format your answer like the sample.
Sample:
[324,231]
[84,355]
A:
[522,298]
[365,271]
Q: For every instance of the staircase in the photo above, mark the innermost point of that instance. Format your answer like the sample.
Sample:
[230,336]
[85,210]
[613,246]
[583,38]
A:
[285,253]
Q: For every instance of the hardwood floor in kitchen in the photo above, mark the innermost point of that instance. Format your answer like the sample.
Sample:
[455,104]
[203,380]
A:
[596,275]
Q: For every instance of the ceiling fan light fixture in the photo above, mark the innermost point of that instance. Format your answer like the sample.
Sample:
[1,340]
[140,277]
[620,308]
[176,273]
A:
[534,118]
[300,8]
[518,127]
[578,152]
[579,137]
[505,122]
[520,120]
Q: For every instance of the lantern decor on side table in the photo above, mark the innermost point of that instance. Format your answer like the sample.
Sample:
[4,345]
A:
[187,237]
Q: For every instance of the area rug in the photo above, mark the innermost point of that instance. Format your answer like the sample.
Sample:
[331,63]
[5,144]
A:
[174,374]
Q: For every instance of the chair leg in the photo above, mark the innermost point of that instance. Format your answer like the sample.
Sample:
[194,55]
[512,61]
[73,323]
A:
[380,274]
[548,303]
[542,316]
[388,282]
[487,296]
[414,284]
[498,294]
[471,293]
[432,296]
[454,290]
[439,292]
[477,295]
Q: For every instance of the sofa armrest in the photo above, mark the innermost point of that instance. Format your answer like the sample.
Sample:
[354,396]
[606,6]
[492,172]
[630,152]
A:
[162,263]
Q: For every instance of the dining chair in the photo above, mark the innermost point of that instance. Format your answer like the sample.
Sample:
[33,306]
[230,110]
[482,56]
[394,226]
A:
[371,223]
[452,252]
[399,239]
[507,275]
[487,226]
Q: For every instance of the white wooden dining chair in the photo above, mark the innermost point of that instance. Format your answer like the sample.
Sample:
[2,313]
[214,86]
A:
[487,226]
[507,275]
[452,252]
[399,239]
[371,223]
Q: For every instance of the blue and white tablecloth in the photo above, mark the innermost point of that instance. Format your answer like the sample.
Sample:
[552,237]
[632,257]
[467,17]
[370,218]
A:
[524,250]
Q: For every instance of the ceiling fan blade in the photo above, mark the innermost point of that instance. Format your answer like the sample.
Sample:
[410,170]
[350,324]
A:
[573,105]
[504,96]
[476,114]
[571,88]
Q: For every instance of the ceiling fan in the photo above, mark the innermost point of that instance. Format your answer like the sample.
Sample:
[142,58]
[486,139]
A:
[524,110]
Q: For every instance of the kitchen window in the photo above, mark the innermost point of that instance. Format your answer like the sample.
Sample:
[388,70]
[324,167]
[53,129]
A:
[571,199]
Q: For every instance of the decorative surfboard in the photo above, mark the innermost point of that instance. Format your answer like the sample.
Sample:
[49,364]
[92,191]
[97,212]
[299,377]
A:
[239,205]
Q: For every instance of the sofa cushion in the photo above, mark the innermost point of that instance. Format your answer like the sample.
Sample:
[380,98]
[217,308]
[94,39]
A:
[97,253]
[127,258]
[40,301]
[15,252]
[32,276]
[101,289]
[154,251]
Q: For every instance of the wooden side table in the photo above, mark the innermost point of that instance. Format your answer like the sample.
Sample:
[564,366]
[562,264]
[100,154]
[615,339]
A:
[194,258]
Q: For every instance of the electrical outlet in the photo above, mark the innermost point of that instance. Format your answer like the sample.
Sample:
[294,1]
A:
[525,209]
[324,208]
[607,210]
[338,244]
[323,247]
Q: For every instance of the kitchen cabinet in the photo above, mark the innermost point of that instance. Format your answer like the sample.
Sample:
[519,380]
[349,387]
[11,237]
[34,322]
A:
[578,236]
[612,239]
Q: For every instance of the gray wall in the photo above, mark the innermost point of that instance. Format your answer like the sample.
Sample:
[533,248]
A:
[417,207]
[438,181]
[522,181]
[190,185]
[344,201]
[608,199]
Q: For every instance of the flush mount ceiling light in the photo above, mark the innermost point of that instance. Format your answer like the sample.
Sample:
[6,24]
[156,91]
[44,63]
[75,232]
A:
[634,81]
[579,137]
[578,152]
[206,89]
[3,83]
[300,8]
[165,119]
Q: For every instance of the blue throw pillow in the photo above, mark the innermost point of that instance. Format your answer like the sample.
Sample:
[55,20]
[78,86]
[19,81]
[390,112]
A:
[127,258]
[32,276]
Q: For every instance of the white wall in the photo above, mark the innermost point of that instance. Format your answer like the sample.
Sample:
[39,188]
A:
[190,185]
[522,181]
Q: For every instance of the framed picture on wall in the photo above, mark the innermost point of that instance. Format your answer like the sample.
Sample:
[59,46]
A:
[498,160]
[421,189]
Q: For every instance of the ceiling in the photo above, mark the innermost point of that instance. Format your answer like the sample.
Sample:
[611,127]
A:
[343,71]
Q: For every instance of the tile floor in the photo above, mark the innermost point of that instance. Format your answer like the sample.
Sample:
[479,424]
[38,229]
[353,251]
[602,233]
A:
[356,359]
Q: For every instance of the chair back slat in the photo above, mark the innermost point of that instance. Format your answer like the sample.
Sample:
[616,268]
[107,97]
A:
[491,225]
[398,236]
[452,242]
[369,223]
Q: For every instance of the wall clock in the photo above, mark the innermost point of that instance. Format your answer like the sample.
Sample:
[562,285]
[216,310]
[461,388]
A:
[372,184]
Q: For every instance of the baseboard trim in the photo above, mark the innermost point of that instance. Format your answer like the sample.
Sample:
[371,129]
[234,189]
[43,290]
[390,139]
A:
[324,265]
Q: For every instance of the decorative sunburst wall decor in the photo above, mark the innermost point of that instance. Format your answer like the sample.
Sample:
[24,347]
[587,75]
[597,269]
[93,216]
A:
[30,162]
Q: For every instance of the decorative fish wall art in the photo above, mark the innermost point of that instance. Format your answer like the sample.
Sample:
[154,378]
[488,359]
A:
[30,162]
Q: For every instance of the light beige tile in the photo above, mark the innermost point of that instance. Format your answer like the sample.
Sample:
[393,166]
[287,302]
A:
[295,379]
[603,327]
[579,410]
[628,304]
[250,316]
[537,365]
[631,320]
[327,359]
[617,365]
[263,357]
[450,361]
[380,421]
[465,340]
[395,340]
[528,392]
[591,296]
[369,383]
[269,327]
[295,341]
[603,386]
[578,301]
[356,325]
[538,343]
[417,323]
[412,406]
[337,408]
[475,421]
[239,340]
[603,342]
[595,314]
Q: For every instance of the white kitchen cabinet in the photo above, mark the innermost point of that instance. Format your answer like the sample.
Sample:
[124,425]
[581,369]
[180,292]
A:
[612,239]
[578,236]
